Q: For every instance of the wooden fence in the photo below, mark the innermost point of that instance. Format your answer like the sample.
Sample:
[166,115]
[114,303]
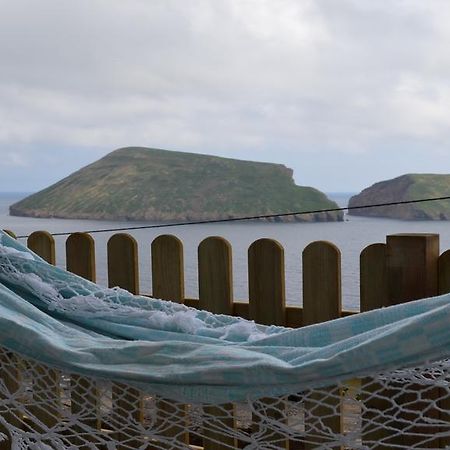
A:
[406,267]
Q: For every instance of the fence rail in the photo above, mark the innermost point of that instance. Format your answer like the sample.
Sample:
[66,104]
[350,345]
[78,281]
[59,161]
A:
[406,267]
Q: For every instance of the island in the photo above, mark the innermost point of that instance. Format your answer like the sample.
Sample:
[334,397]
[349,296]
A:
[404,188]
[148,184]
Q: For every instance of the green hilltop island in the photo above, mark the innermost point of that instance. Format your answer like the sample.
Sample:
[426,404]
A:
[404,188]
[147,184]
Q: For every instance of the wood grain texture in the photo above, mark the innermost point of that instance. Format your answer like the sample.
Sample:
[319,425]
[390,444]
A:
[215,276]
[168,284]
[321,282]
[85,396]
[80,255]
[167,268]
[374,295]
[46,396]
[373,278]
[412,266]
[322,302]
[11,377]
[127,416]
[412,273]
[267,305]
[215,282]
[123,269]
[43,244]
[266,282]
[444,272]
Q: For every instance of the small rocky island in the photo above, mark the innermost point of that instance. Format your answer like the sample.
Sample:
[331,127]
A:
[403,188]
[146,184]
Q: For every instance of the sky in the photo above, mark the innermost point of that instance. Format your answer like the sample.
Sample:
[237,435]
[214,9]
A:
[345,92]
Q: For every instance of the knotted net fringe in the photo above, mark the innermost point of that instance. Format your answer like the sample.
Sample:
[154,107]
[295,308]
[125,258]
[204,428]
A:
[43,408]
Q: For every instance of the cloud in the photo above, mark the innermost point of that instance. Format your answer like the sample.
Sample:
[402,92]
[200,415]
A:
[256,79]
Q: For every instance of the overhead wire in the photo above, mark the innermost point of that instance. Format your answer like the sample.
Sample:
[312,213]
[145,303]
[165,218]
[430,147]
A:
[244,218]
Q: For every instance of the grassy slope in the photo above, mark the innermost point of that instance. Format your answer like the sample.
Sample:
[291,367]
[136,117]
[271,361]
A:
[151,184]
[407,187]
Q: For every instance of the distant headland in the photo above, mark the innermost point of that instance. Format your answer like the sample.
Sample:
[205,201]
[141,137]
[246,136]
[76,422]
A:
[147,184]
[403,188]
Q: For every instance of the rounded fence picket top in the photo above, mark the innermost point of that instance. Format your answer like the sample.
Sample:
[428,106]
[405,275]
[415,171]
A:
[43,244]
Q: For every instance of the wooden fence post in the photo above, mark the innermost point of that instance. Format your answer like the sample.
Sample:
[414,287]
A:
[266,282]
[373,278]
[123,271]
[11,377]
[84,394]
[321,282]
[167,268]
[46,383]
[374,295]
[322,302]
[43,244]
[412,266]
[80,255]
[215,276]
[444,273]
[215,282]
[267,306]
[123,266]
[412,273]
[168,284]
[444,288]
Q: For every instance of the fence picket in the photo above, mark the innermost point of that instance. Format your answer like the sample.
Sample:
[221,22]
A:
[215,276]
[168,284]
[444,273]
[267,303]
[123,267]
[85,403]
[11,377]
[444,288]
[167,268]
[373,278]
[80,255]
[215,282]
[412,273]
[322,302]
[43,244]
[123,271]
[267,306]
[374,294]
[321,282]
[46,383]
[46,395]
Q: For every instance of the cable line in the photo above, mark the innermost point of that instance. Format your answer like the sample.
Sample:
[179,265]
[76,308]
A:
[237,219]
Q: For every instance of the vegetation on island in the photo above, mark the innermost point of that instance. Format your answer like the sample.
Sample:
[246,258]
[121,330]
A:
[404,188]
[146,184]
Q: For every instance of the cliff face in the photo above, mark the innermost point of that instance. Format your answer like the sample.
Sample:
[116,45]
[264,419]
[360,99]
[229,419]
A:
[403,188]
[145,184]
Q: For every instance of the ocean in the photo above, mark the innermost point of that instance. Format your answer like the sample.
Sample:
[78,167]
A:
[351,236]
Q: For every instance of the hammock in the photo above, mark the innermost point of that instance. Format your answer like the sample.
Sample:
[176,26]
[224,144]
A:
[84,366]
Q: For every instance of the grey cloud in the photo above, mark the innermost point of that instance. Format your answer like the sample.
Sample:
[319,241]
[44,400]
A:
[273,80]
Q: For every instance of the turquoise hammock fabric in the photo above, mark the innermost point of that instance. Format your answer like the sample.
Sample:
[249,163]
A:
[66,322]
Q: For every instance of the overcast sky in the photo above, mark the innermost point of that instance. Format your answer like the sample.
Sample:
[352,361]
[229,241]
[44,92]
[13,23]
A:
[345,92]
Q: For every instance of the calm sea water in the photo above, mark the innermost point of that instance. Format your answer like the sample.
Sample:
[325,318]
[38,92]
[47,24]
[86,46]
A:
[351,236]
